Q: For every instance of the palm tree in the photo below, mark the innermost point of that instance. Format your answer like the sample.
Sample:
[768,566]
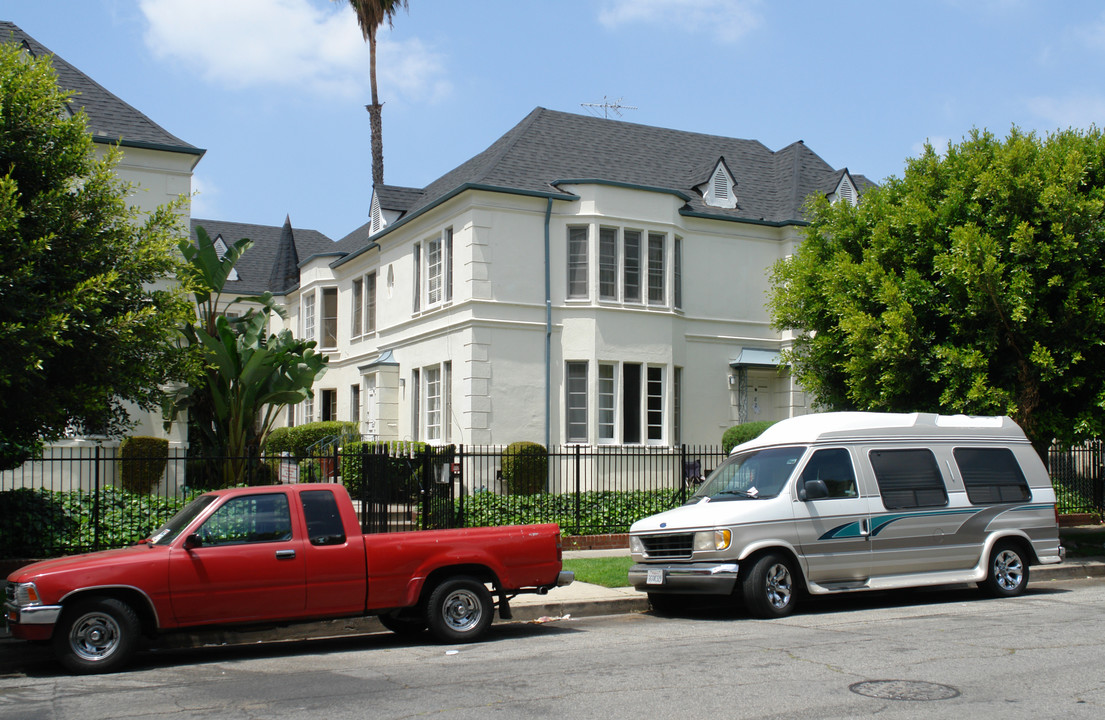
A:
[371,14]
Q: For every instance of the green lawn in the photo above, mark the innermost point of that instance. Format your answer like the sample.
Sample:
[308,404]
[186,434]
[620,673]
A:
[606,571]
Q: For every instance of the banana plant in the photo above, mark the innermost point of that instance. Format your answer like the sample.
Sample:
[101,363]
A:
[244,375]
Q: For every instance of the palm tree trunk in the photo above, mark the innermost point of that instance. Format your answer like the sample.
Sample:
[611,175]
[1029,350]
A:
[375,112]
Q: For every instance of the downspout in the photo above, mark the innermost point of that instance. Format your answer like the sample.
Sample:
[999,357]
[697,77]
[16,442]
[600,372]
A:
[548,330]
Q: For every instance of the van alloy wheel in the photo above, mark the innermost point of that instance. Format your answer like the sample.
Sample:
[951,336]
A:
[1007,572]
[769,587]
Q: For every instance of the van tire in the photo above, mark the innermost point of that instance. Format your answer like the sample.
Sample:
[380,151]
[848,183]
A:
[770,587]
[1006,571]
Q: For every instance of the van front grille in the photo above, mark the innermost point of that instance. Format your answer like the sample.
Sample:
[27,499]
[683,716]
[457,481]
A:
[668,546]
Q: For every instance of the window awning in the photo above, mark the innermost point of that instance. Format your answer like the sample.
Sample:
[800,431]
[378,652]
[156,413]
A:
[752,357]
[385,359]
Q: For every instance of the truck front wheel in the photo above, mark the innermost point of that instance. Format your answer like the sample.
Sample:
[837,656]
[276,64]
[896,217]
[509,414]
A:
[460,609]
[97,635]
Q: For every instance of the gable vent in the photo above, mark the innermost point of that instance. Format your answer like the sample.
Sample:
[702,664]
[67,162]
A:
[721,185]
[377,216]
[846,191]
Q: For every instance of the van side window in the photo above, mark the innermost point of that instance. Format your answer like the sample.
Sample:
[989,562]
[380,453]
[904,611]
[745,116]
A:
[834,467]
[320,510]
[991,475]
[908,478]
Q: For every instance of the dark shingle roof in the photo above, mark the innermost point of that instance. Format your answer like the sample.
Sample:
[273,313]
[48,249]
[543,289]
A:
[549,147]
[110,120]
[271,264]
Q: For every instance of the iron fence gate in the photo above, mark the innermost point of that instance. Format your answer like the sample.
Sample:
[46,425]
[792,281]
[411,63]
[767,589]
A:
[398,490]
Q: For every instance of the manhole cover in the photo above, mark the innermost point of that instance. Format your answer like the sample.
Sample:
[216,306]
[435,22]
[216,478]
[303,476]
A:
[904,690]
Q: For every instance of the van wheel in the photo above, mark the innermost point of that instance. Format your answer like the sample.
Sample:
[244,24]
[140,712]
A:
[97,635]
[769,587]
[460,609]
[1007,572]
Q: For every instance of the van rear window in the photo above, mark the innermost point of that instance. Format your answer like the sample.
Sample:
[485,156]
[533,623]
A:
[908,478]
[991,475]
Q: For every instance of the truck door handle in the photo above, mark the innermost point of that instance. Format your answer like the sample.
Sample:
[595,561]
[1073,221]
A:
[285,554]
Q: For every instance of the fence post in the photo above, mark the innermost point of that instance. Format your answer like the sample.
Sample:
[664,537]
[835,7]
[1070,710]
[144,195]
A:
[577,489]
[96,500]
[683,473]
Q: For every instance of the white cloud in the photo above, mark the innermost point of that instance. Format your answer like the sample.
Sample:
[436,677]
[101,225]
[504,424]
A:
[304,44]
[1074,111]
[729,20]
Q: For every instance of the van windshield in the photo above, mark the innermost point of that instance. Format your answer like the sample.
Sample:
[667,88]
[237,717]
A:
[755,474]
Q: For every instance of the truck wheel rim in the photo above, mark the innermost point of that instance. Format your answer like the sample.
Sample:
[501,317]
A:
[462,610]
[94,636]
[779,587]
[1008,569]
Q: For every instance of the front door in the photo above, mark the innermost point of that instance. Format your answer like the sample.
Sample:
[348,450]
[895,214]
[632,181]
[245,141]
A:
[834,531]
[247,567]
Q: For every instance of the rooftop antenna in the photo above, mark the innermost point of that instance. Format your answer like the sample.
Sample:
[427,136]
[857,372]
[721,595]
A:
[607,105]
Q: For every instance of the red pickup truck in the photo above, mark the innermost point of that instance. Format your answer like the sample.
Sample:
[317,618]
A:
[277,554]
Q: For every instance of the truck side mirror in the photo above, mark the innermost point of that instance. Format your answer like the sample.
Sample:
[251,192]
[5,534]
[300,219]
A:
[813,490]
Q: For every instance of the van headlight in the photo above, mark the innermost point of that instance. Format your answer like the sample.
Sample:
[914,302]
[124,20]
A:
[635,545]
[712,540]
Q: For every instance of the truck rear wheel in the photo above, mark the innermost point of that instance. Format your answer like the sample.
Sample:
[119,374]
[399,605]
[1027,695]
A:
[460,609]
[97,635]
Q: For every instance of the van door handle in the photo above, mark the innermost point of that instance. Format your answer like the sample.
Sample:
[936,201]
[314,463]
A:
[285,554]
[865,528]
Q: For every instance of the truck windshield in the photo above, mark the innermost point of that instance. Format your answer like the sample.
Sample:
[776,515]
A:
[169,531]
[750,475]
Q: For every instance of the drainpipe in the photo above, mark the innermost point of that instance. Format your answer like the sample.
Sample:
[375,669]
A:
[548,330]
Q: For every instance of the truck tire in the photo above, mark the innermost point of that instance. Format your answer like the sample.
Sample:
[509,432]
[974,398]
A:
[1006,572]
[460,609]
[96,635]
[769,587]
[403,624]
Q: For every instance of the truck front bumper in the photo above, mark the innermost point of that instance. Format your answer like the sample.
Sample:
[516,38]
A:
[31,622]
[690,578]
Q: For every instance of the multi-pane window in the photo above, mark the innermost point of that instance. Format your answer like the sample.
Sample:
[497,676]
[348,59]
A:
[631,271]
[433,403]
[607,398]
[329,317]
[654,404]
[448,238]
[655,269]
[356,328]
[677,273]
[576,402]
[434,271]
[608,264]
[309,410]
[577,262]
[329,408]
[309,316]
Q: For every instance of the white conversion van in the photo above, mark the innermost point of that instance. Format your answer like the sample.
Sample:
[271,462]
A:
[837,502]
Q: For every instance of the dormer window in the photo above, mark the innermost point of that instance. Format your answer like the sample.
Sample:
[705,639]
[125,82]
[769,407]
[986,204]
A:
[721,190]
[220,248]
[845,191]
[378,220]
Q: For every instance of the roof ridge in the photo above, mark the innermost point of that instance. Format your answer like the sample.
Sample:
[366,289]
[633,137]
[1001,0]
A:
[512,136]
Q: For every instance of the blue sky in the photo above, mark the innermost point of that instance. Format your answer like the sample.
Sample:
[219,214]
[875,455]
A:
[275,90]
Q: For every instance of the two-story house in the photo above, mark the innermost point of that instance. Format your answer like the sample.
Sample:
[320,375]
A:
[582,280]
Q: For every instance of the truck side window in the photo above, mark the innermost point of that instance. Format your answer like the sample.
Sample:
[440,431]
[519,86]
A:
[908,478]
[834,467]
[249,519]
[320,510]
[991,475]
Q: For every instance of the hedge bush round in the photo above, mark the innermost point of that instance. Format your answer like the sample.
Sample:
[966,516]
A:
[743,433]
[525,467]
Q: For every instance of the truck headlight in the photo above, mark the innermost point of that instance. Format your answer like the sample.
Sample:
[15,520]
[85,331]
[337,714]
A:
[26,594]
[711,540]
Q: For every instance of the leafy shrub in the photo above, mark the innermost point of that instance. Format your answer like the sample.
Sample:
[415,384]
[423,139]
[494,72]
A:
[296,440]
[742,433]
[143,462]
[525,467]
[32,522]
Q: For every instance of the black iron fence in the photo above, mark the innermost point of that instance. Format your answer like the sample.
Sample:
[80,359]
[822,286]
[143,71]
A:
[88,498]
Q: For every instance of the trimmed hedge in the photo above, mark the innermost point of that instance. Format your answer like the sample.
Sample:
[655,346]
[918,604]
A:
[743,433]
[144,460]
[296,440]
[599,511]
[525,467]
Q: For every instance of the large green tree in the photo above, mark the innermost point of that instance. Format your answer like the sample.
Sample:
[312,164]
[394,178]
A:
[371,14]
[975,283]
[82,328]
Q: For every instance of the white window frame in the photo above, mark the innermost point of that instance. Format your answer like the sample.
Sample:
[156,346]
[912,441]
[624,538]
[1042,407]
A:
[309,315]
[432,390]
[329,323]
[577,430]
[579,255]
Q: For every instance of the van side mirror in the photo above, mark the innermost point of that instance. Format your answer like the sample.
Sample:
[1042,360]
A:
[813,490]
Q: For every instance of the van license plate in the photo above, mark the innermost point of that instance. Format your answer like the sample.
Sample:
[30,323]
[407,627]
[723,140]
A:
[655,577]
